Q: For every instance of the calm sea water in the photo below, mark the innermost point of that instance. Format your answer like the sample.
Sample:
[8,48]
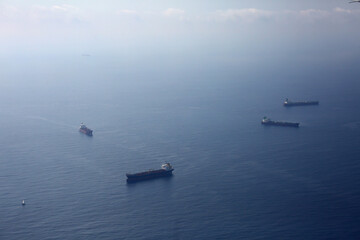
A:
[233,178]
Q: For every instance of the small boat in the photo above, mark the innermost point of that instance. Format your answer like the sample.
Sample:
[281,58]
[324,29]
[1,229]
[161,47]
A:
[85,130]
[23,202]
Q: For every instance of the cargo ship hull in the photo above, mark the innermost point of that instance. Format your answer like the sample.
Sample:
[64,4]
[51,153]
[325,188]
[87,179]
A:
[148,175]
[165,171]
[86,131]
[288,103]
[269,122]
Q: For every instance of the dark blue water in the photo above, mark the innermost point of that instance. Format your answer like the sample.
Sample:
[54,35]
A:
[233,178]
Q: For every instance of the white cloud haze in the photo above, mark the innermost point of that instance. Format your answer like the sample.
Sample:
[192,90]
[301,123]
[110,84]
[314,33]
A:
[70,23]
[173,12]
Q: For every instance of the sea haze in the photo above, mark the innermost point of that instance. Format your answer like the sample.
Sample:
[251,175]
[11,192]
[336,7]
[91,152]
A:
[233,178]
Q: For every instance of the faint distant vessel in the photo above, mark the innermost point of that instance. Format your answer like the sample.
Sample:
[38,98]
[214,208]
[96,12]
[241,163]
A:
[23,202]
[85,130]
[289,103]
[165,171]
[268,121]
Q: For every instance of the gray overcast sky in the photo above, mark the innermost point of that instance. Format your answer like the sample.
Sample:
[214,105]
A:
[196,6]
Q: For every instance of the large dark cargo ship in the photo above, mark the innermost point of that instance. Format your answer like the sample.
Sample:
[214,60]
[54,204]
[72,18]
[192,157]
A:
[268,121]
[165,171]
[85,130]
[289,103]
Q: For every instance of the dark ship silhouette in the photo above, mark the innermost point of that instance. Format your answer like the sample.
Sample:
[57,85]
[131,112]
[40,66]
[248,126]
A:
[268,121]
[289,103]
[165,171]
[85,130]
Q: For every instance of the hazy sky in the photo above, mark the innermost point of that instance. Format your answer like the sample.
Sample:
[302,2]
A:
[113,25]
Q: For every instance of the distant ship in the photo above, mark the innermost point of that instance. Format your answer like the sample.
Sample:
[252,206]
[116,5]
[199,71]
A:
[268,121]
[289,103]
[165,171]
[85,130]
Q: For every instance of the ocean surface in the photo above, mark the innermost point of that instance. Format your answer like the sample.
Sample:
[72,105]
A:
[233,178]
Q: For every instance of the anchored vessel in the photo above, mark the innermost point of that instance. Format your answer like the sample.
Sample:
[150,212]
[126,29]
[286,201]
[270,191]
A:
[289,103]
[268,121]
[166,170]
[85,130]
